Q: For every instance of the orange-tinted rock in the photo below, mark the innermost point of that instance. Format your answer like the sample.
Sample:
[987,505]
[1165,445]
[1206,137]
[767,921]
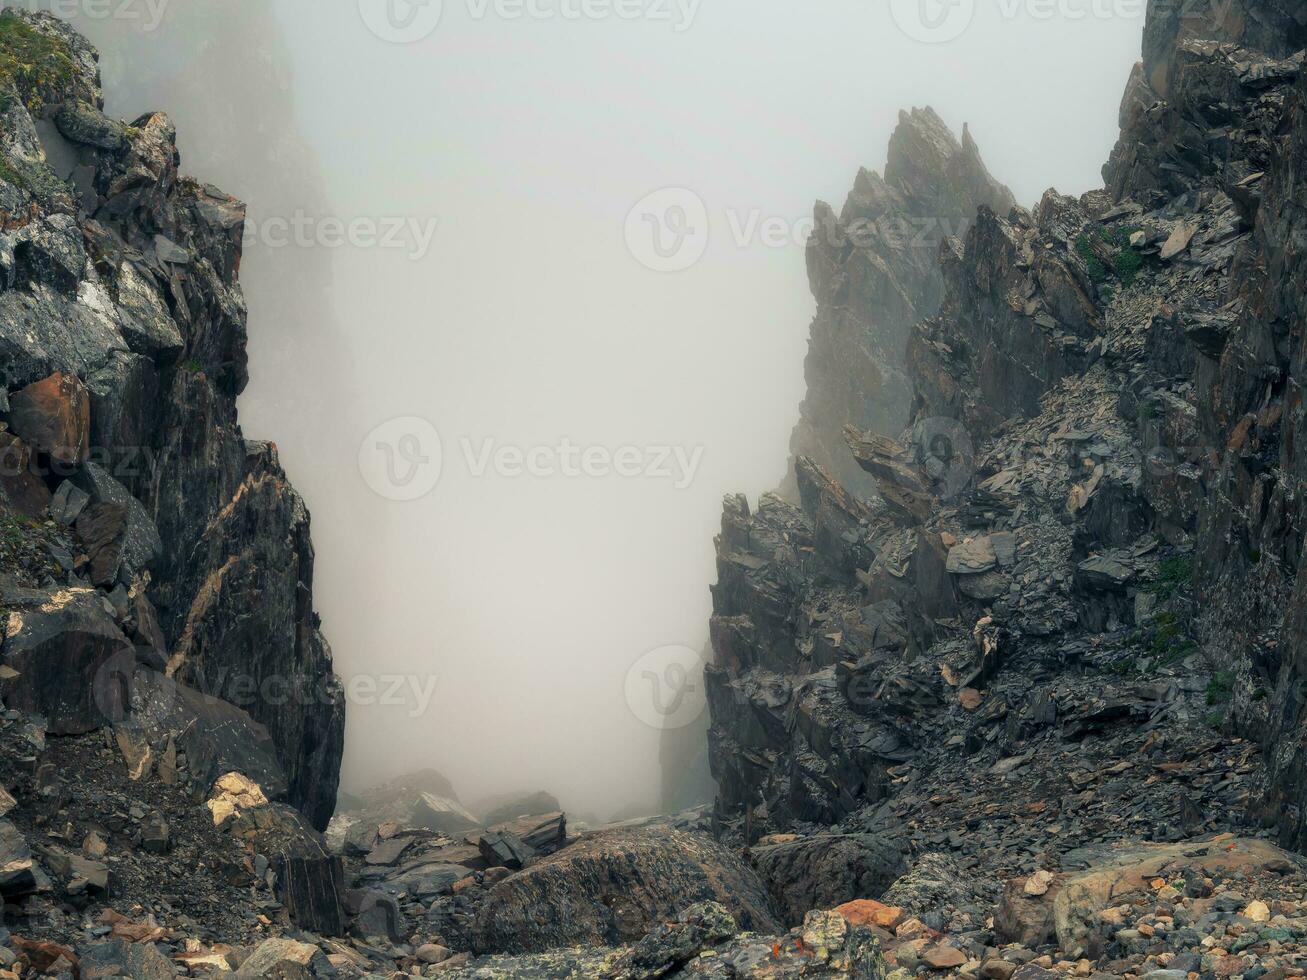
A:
[868,912]
[944,957]
[54,416]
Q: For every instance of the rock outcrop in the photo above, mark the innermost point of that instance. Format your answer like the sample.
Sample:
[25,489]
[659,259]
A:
[1086,539]
[612,888]
[122,353]
[874,274]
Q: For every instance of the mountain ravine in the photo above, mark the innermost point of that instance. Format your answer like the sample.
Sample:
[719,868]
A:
[1007,680]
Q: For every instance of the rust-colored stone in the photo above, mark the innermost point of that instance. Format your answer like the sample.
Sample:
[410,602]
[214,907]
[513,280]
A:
[868,912]
[53,416]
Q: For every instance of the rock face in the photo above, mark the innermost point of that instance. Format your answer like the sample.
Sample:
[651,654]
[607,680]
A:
[122,354]
[1090,527]
[70,661]
[873,273]
[826,870]
[613,887]
[1243,72]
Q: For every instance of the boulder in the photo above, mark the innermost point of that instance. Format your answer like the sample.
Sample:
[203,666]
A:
[503,849]
[282,959]
[73,664]
[118,533]
[613,887]
[142,961]
[68,503]
[543,834]
[442,815]
[670,944]
[233,796]
[310,880]
[53,416]
[50,251]
[827,870]
[526,806]
[902,482]
[84,123]
[377,916]
[218,738]
[19,874]
[974,557]
[1025,912]
[1116,873]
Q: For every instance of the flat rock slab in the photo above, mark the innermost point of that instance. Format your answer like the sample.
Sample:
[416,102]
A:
[1179,241]
[613,887]
[217,737]
[974,557]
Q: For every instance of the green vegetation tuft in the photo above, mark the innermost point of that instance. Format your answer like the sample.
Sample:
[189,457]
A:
[23,554]
[1170,643]
[1220,687]
[1125,263]
[32,61]
[1097,271]
[1126,667]
[1174,575]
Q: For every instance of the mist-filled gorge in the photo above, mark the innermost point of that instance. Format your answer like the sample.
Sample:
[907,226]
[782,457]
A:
[498,300]
[794,490]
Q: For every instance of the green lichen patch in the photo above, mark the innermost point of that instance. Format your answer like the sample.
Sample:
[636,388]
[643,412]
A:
[36,179]
[39,66]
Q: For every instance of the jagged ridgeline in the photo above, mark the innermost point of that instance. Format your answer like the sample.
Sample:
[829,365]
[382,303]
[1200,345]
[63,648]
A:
[1084,543]
[146,543]
[874,272]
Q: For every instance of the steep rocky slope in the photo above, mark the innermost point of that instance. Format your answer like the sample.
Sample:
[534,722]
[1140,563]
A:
[1070,615]
[874,274]
[121,317]
[1100,372]
[157,572]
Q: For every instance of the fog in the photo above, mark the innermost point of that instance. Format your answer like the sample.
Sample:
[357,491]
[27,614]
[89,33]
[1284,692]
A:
[503,302]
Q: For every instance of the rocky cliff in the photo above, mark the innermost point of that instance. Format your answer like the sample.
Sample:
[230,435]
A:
[873,273]
[122,349]
[1071,612]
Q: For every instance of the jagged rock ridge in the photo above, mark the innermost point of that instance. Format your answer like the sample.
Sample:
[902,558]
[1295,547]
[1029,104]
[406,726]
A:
[873,273]
[1091,528]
